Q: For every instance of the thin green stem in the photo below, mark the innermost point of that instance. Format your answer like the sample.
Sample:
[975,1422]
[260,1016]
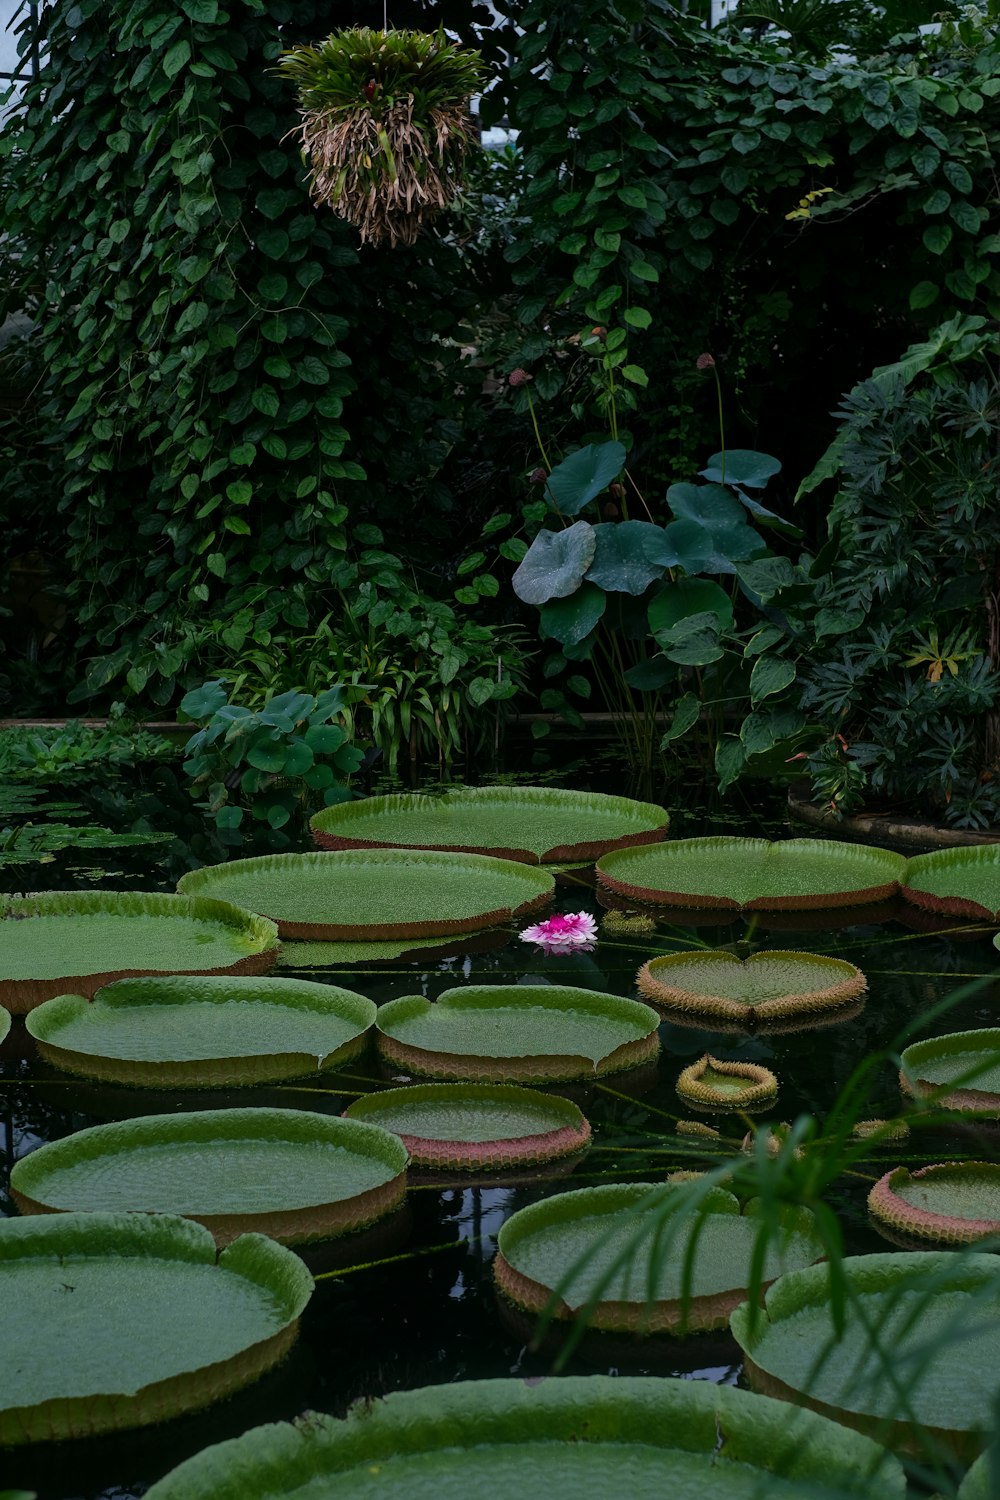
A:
[538,435]
[722,428]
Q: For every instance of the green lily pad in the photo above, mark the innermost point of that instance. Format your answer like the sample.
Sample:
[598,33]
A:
[361,894]
[4,1024]
[54,941]
[956,882]
[472,1126]
[291,1174]
[571,1438]
[174,1032]
[620,1252]
[718,1086]
[753,874]
[968,1059]
[116,1320]
[517,1033]
[531,824]
[949,1203]
[937,1312]
[767,985]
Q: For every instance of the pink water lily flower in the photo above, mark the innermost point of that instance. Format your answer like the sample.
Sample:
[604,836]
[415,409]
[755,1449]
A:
[559,934]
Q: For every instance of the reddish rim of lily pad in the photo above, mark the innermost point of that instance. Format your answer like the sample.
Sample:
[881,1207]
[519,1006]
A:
[894,1212]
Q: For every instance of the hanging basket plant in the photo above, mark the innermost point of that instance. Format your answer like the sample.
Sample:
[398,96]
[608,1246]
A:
[385,125]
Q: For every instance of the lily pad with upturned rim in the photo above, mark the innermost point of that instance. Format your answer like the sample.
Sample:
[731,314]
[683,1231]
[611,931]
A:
[536,825]
[956,882]
[54,941]
[292,1174]
[753,874]
[970,1059]
[476,1126]
[178,1032]
[113,1321]
[938,1313]
[948,1203]
[717,1086]
[514,1033]
[359,894]
[572,1438]
[767,985]
[572,1248]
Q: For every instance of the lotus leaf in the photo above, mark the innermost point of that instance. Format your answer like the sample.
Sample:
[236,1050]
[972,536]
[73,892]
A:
[956,882]
[80,940]
[115,1320]
[767,985]
[476,1125]
[517,1033]
[937,1312]
[753,874]
[203,1033]
[968,1059]
[574,1438]
[714,1085]
[292,1174]
[530,824]
[379,893]
[950,1203]
[621,1251]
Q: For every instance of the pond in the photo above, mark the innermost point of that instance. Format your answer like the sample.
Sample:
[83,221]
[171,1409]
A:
[412,1302]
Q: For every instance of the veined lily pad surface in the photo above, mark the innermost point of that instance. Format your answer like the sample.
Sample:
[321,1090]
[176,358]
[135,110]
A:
[969,1060]
[570,1438]
[718,1086]
[767,985]
[936,1313]
[506,1033]
[178,1032]
[110,1321]
[753,874]
[532,824]
[292,1174]
[949,1203]
[576,1246]
[956,882]
[361,894]
[473,1126]
[56,941]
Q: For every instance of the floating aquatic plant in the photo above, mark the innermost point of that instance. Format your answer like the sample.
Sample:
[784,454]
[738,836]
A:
[949,1203]
[563,934]
[714,1085]
[961,1069]
[767,985]
[956,882]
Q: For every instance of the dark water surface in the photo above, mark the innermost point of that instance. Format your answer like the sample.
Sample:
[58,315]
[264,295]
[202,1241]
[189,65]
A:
[411,1302]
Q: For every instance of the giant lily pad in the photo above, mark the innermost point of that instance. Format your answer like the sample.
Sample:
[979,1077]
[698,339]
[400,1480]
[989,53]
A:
[173,1032]
[621,1252]
[4,1024]
[769,985]
[719,1086]
[528,823]
[917,1349]
[110,1321]
[574,1438]
[753,874]
[949,1203]
[363,894]
[514,1033]
[956,882]
[472,1126]
[292,1174]
[55,941]
[968,1059]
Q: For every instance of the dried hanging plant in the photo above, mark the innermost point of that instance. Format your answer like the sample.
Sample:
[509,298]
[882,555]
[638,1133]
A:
[385,125]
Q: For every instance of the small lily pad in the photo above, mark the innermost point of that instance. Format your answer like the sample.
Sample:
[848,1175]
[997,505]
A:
[361,895]
[117,1320]
[513,1033]
[54,941]
[536,825]
[767,985]
[177,1032]
[622,1246]
[969,1060]
[476,1126]
[291,1174]
[753,874]
[956,882]
[718,1086]
[572,1438]
[949,1203]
